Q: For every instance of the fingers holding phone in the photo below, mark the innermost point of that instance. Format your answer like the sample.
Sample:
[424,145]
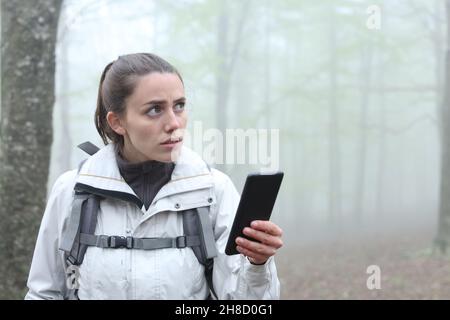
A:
[268,240]
[253,212]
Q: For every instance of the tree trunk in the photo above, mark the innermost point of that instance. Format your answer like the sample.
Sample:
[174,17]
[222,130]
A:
[222,78]
[366,70]
[227,56]
[382,153]
[267,62]
[334,146]
[438,39]
[443,237]
[29,31]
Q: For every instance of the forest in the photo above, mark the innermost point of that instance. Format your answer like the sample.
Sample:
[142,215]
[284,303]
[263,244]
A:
[350,99]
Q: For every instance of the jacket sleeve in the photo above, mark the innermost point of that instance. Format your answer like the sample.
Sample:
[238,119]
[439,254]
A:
[46,279]
[234,277]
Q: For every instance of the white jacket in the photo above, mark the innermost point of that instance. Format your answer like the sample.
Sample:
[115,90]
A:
[147,274]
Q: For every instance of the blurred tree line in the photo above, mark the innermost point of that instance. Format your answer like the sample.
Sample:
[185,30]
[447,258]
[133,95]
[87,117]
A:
[313,69]
[443,237]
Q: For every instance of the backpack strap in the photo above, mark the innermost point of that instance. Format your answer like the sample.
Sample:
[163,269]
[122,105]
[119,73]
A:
[88,147]
[88,223]
[82,220]
[197,222]
[116,242]
[71,228]
[208,246]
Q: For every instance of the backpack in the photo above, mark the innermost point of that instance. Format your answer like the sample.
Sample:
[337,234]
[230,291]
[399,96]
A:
[79,232]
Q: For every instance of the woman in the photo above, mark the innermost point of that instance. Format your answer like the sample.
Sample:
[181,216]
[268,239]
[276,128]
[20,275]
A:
[148,178]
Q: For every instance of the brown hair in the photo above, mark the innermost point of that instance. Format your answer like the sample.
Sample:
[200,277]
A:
[117,82]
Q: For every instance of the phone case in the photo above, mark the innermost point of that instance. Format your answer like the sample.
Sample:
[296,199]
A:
[257,201]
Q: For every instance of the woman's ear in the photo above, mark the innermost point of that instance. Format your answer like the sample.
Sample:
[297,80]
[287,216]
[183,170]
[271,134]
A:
[115,123]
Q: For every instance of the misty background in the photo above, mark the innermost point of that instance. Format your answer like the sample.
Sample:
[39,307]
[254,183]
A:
[355,89]
[313,70]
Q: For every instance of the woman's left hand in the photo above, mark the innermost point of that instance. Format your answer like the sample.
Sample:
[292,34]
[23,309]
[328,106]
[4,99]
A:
[269,235]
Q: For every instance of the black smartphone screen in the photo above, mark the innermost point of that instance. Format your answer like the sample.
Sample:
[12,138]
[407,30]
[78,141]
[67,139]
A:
[257,201]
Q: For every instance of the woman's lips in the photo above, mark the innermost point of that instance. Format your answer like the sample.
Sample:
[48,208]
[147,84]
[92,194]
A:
[172,142]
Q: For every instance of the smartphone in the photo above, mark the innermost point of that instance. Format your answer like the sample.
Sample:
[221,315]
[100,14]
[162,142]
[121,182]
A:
[257,201]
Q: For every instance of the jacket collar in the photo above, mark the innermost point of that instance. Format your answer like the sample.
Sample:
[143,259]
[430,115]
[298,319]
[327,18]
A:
[100,175]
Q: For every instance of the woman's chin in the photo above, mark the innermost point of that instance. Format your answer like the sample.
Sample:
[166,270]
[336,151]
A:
[167,155]
[174,154]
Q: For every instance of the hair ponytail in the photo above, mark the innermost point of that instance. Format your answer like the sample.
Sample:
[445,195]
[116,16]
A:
[103,128]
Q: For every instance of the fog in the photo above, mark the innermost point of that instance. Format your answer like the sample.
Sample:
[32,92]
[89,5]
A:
[344,97]
[352,89]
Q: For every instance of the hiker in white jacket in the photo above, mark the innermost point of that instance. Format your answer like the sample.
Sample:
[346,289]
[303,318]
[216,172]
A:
[147,179]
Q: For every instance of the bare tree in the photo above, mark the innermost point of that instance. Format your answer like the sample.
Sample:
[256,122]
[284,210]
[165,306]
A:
[333,132]
[382,153]
[227,55]
[365,74]
[28,33]
[267,63]
[443,236]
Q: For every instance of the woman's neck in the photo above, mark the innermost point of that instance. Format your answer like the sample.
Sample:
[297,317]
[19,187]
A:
[130,154]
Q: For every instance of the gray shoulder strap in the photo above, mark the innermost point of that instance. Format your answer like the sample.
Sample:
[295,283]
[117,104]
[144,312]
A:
[71,227]
[88,147]
[88,222]
[207,231]
[197,222]
[83,219]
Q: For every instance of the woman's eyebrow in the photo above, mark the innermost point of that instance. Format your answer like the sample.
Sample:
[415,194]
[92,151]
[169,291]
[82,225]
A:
[161,101]
[182,99]
[154,102]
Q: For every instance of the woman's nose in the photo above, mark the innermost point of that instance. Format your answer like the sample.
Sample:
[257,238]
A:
[172,121]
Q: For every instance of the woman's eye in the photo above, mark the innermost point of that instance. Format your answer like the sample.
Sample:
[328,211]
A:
[179,107]
[154,111]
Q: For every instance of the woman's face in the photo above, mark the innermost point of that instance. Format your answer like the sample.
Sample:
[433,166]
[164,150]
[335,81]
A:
[154,120]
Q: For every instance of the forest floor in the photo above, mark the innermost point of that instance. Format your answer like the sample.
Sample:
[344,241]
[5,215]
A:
[410,268]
